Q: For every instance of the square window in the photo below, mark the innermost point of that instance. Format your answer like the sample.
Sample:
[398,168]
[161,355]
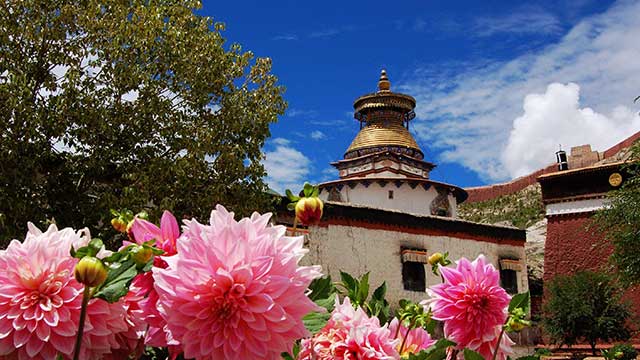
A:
[413,276]
[390,194]
[509,280]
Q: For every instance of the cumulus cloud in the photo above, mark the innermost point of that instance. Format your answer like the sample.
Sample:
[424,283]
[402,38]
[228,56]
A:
[466,110]
[287,168]
[554,118]
[318,135]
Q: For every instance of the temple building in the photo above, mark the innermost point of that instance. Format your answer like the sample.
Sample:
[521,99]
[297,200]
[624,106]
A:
[384,167]
[385,215]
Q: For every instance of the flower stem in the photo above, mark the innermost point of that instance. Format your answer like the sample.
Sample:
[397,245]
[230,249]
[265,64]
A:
[86,296]
[495,352]
[406,335]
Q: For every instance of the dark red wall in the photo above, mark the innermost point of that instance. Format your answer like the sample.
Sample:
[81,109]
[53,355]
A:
[570,247]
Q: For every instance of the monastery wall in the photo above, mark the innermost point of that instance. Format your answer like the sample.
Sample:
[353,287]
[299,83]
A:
[358,249]
[571,247]
[401,197]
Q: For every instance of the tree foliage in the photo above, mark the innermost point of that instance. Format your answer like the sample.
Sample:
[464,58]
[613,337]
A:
[585,307]
[620,222]
[126,104]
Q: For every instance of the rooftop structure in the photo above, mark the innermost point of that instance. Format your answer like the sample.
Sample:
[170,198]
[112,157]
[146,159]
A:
[384,167]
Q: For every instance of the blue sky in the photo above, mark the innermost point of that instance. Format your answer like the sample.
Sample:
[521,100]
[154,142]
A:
[499,84]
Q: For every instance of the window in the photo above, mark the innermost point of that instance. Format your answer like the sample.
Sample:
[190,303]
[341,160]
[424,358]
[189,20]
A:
[390,194]
[413,276]
[509,269]
[509,280]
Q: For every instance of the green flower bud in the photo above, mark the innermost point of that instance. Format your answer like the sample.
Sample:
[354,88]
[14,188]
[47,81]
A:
[90,271]
[141,255]
[435,258]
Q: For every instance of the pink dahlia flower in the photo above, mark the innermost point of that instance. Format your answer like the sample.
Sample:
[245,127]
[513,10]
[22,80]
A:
[487,348]
[165,237]
[417,340]
[350,335]
[40,300]
[234,290]
[470,301]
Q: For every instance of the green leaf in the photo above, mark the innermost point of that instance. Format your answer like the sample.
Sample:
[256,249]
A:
[380,292]
[118,280]
[291,196]
[315,321]
[291,206]
[95,245]
[308,189]
[363,289]
[520,301]
[316,191]
[321,288]
[437,351]
[287,356]
[472,355]
[80,252]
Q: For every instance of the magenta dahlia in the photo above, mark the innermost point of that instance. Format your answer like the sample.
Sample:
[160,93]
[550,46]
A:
[234,290]
[40,300]
[470,302]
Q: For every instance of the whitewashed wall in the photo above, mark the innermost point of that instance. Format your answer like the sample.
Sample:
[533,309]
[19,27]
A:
[357,250]
[413,200]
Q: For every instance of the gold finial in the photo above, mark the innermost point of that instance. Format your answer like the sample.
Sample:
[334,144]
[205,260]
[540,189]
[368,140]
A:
[384,84]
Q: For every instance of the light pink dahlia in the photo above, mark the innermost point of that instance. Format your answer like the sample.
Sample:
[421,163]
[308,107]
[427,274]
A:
[234,290]
[350,335]
[165,237]
[487,348]
[470,301]
[40,300]
[417,340]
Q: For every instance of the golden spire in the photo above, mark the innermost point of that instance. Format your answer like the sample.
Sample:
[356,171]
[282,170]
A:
[384,117]
[384,84]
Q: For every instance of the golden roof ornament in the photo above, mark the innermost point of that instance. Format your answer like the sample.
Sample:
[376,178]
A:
[384,84]
[384,122]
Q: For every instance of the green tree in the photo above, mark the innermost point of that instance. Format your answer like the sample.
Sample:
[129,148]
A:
[620,222]
[126,104]
[585,307]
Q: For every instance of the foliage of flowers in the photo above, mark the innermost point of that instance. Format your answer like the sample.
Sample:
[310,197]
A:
[233,289]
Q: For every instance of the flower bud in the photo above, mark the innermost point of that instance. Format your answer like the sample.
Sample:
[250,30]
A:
[119,225]
[141,255]
[90,271]
[435,258]
[309,210]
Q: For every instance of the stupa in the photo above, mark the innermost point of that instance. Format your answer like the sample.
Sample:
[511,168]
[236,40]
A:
[384,167]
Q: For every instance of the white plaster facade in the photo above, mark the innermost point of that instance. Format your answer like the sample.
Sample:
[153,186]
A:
[405,198]
[357,250]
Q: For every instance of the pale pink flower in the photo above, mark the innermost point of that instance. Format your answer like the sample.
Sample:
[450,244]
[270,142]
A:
[40,300]
[417,340]
[350,335]
[487,348]
[470,301]
[165,237]
[234,290]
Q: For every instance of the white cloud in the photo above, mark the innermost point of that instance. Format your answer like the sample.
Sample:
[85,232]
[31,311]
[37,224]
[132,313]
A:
[554,118]
[287,168]
[318,135]
[467,111]
[286,37]
[328,174]
[293,112]
[526,20]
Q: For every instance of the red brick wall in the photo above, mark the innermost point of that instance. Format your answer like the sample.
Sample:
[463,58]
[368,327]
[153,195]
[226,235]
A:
[570,247]
[483,193]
